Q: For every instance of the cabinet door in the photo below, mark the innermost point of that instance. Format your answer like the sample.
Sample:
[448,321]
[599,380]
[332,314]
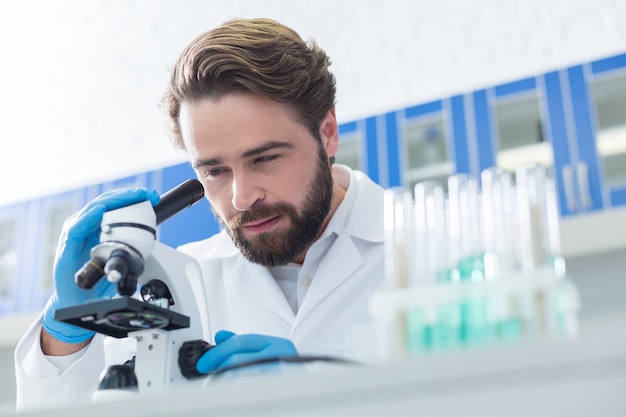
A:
[425,143]
[510,126]
[351,150]
[607,103]
[360,144]
[11,228]
[47,215]
[529,121]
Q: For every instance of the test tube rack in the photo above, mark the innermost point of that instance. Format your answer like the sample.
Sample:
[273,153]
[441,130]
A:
[475,267]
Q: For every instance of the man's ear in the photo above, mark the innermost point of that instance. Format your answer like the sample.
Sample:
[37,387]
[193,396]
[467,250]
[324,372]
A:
[329,132]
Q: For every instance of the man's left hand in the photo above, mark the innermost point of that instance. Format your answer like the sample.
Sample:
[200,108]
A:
[232,350]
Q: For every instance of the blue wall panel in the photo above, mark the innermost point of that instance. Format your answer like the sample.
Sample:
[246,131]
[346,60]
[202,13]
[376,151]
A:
[484,137]
[618,196]
[371,141]
[347,128]
[558,135]
[515,87]
[422,109]
[459,135]
[608,64]
[394,160]
[585,137]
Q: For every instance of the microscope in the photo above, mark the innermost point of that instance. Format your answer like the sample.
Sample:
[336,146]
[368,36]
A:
[160,298]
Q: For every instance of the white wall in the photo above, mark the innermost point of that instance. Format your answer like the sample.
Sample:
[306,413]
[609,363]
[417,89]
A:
[81,80]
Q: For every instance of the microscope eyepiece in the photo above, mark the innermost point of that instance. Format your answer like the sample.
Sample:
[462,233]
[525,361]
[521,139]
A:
[177,199]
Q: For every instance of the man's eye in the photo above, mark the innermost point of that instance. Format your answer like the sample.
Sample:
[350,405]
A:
[213,172]
[266,158]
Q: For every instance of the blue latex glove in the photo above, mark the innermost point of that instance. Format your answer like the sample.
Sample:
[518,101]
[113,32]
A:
[232,350]
[80,233]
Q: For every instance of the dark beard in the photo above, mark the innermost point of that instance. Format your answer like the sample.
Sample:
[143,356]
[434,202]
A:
[281,247]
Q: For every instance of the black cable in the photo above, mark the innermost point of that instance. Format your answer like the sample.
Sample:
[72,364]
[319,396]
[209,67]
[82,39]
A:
[286,359]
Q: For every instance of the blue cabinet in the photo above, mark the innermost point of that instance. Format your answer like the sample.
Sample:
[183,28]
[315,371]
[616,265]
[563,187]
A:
[587,116]
[605,82]
[528,122]
[572,120]
[403,147]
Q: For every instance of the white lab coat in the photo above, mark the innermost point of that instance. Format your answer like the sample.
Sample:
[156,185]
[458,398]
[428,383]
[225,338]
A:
[333,318]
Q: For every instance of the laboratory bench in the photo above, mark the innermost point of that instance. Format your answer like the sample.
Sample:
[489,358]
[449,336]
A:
[585,376]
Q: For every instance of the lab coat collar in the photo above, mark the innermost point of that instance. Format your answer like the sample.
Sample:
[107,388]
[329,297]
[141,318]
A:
[361,192]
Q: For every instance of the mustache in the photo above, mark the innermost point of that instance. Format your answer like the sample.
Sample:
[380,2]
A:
[258,213]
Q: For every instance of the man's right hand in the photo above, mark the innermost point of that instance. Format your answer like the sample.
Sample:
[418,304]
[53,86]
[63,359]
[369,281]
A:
[81,232]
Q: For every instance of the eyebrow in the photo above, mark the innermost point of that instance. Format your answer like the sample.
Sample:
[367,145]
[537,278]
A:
[247,154]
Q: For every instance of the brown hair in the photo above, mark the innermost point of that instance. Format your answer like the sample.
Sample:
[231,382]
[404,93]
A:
[256,56]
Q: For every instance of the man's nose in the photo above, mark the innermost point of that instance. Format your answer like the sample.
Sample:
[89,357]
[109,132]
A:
[246,191]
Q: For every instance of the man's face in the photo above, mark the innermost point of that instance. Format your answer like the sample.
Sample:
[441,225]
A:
[267,178]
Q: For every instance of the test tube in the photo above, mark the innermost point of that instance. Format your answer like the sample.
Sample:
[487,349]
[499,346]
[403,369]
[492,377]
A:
[499,222]
[465,230]
[476,307]
[492,210]
[430,230]
[538,218]
[445,313]
[399,236]
[539,242]
[500,234]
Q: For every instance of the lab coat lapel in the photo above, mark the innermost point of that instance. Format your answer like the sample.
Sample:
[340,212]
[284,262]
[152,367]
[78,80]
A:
[340,263]
[345,258]
[256,287]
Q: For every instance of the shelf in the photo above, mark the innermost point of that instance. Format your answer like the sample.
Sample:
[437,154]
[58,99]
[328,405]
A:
[611,141]
[429,172]
[593,233]
[538,153]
